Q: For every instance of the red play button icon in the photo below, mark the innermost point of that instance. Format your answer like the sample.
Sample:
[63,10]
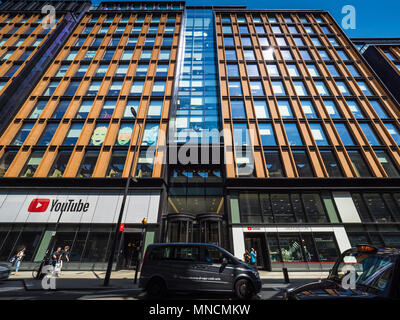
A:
[38,205]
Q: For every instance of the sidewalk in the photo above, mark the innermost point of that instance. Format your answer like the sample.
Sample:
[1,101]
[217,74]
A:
[93,280]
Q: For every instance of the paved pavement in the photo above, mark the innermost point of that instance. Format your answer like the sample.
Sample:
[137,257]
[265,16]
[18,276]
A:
[88,285]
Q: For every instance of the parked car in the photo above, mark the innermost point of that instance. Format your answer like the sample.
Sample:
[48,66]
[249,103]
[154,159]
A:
[362,272]
[4,272]
[196,267]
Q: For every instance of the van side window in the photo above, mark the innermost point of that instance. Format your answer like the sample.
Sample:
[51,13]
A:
[213,255]
[186,253]
[160,253]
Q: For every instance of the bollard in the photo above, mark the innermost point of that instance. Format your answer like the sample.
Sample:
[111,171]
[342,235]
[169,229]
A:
[286,275]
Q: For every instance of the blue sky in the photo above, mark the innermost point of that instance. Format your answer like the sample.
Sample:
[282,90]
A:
[373,18]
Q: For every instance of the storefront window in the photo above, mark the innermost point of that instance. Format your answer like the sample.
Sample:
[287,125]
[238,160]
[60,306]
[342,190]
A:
[95,250]
[314,208]
[327,248]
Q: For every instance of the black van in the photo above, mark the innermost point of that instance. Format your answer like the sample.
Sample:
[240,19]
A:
[196,267]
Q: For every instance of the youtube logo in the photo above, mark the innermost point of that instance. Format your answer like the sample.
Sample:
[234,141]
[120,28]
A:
[39,205]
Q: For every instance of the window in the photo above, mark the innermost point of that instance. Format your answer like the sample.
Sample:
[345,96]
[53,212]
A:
[344,134]
[155,109]
[131,104]
[101,70]
[93,88]
[122,70]
[38,109]
[6,161]
[127,55]
[244,163]
[300,88]
[89,55]
[23,133]
[71,90]
[293,71]
[315,41]
[158,88]
[355,109]
[88,164]
[313,70]
[241,134]
[298,41]
[274,163]
[380,111]
[261,109]
[116,164]
[150,134]
[278,88]
[293,134]
[394,132]
[302,163]
[232,70]
[267,134]
[252,70]
[281,41]
[387,163]
[331,164]
[235,88]
[332,110]
[369,134]
[332,70]
[342,55]
[238,110]
[108,109]
[273,70]
[73,134]
[308,109]
[268,54]
[321,88]
[145,164]
[146,55]
[227,29]
[137,88]
[84,109]
[51,88]
[230,54]
[32,164]
[318,134]
[228,41]
[305,55]
[353,70]
[343,88]
[284,109]
[256,88]
[164,55]
[81,71]
[364,88]
[324,55]
[99,134]
[286,55]
[71,55]
[162,70]
[48,134]
[58,168]
[141,70]
[263,41]
[124,134]
[359,164]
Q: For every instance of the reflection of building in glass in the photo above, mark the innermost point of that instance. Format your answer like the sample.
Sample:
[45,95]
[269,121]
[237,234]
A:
[307,164]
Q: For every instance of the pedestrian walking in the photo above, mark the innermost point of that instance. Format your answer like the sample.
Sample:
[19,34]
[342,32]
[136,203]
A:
[55,260]
[64,257]
[253,257]
[246,256]
[18,259]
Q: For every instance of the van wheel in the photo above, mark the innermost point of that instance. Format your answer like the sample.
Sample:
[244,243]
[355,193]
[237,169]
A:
[244,289]
[156,288]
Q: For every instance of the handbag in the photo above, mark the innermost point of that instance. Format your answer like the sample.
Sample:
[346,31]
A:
[12,260]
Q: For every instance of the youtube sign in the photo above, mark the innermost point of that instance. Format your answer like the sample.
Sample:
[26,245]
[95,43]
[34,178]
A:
[39,205]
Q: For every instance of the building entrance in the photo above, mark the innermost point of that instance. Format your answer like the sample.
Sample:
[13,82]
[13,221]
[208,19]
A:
[257,241]
[130,250]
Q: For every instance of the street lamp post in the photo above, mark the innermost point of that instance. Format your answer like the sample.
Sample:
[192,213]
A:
[121,212]
[140,253]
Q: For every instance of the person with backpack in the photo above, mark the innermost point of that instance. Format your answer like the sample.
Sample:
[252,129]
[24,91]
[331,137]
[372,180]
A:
[55,260]
[18,259]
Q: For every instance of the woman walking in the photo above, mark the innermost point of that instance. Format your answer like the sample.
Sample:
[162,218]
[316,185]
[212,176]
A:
[18,258]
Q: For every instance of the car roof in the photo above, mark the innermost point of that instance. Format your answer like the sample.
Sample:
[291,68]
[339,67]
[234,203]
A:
[378,250]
